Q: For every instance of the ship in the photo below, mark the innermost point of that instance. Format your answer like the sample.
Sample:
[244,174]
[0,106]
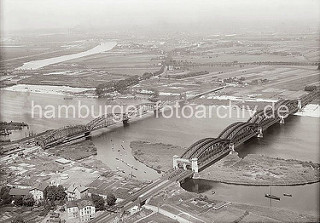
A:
[287,195]
[272,197]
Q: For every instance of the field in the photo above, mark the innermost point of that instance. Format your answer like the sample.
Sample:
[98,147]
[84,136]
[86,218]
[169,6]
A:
[155,155]
[262,170]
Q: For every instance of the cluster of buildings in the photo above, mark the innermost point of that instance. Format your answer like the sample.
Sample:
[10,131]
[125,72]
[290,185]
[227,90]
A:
[79,206]
[37,191]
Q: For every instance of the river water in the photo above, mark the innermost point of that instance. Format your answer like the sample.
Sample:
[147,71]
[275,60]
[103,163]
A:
[36,64]
[296,139]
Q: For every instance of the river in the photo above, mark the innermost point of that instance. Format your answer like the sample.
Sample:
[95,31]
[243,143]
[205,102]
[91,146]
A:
[296,139]
[36,64]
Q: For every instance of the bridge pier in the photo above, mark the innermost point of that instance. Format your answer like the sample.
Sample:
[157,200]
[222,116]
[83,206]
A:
[299,105]
[87,135]
[156,112]
[125,122]
[231,147]
[281,120]
[260,132]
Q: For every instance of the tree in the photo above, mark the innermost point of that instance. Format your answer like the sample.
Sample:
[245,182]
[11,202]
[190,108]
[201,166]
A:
[98,202]
[50,193]
[18,200]
[5,197]
[61,195]
[54,193]
[111,199]
[28,200]
[18,219]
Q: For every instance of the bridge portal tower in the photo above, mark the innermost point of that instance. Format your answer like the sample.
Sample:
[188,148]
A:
[194,165]
[260,133]
[175,161]
[185,163]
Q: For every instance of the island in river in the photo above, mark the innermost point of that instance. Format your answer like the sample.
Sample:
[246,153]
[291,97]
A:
[253,169]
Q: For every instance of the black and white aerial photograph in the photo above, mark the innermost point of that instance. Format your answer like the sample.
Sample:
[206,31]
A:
[159,111]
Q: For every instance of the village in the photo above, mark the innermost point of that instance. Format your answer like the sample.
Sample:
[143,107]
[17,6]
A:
[47,188]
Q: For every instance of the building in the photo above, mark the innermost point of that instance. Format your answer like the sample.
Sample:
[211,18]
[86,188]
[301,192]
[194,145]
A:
[38,190]
[101,193]
[72,209]
[18,192]
[76,192]
[86,210]
[83,210]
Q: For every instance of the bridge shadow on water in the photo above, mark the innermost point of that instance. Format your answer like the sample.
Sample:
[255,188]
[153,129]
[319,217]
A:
[270,136]
[198,185]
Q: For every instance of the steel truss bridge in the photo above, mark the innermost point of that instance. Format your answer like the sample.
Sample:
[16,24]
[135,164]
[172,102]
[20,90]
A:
[70,133]
[207,151]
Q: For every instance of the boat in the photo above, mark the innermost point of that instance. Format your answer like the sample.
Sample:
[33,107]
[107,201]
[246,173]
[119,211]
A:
[287,195]
[68,98]
[117,158]
[272,197]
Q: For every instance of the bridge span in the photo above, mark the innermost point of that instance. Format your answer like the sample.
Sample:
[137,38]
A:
[207,151]
[70,133]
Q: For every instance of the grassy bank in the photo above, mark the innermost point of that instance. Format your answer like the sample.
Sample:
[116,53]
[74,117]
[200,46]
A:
[262,170]
[252,170]
[157,156]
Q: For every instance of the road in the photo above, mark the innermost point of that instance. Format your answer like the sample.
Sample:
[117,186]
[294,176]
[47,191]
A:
[145,193]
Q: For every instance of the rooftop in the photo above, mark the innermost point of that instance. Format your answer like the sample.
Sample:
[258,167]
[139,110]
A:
[18,192]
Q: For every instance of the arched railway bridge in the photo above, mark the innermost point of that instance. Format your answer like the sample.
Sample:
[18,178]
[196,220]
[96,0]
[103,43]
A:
[208,150]
[70,133]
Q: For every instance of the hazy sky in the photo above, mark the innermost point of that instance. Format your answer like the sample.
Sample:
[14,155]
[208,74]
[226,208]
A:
[232,14]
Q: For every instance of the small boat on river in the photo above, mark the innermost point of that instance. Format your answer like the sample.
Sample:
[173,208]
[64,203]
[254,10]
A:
[272,197]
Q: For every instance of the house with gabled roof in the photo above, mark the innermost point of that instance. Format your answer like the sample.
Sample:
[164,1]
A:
[18,192]
[37,191]
[75,192]
[83,210]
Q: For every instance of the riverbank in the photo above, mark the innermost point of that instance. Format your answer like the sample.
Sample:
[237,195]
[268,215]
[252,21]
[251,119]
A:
[209,208]
[76,151]
[260,170]
[48,89]
[157,156]
[36,64]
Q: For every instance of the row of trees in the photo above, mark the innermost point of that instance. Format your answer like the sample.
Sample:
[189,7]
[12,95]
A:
[119,86]
[100,203]
[54,193]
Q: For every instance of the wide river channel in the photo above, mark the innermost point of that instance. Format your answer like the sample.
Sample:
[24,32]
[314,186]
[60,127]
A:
[296,139]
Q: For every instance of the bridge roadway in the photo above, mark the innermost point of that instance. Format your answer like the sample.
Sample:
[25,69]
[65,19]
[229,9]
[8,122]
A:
[170,177]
